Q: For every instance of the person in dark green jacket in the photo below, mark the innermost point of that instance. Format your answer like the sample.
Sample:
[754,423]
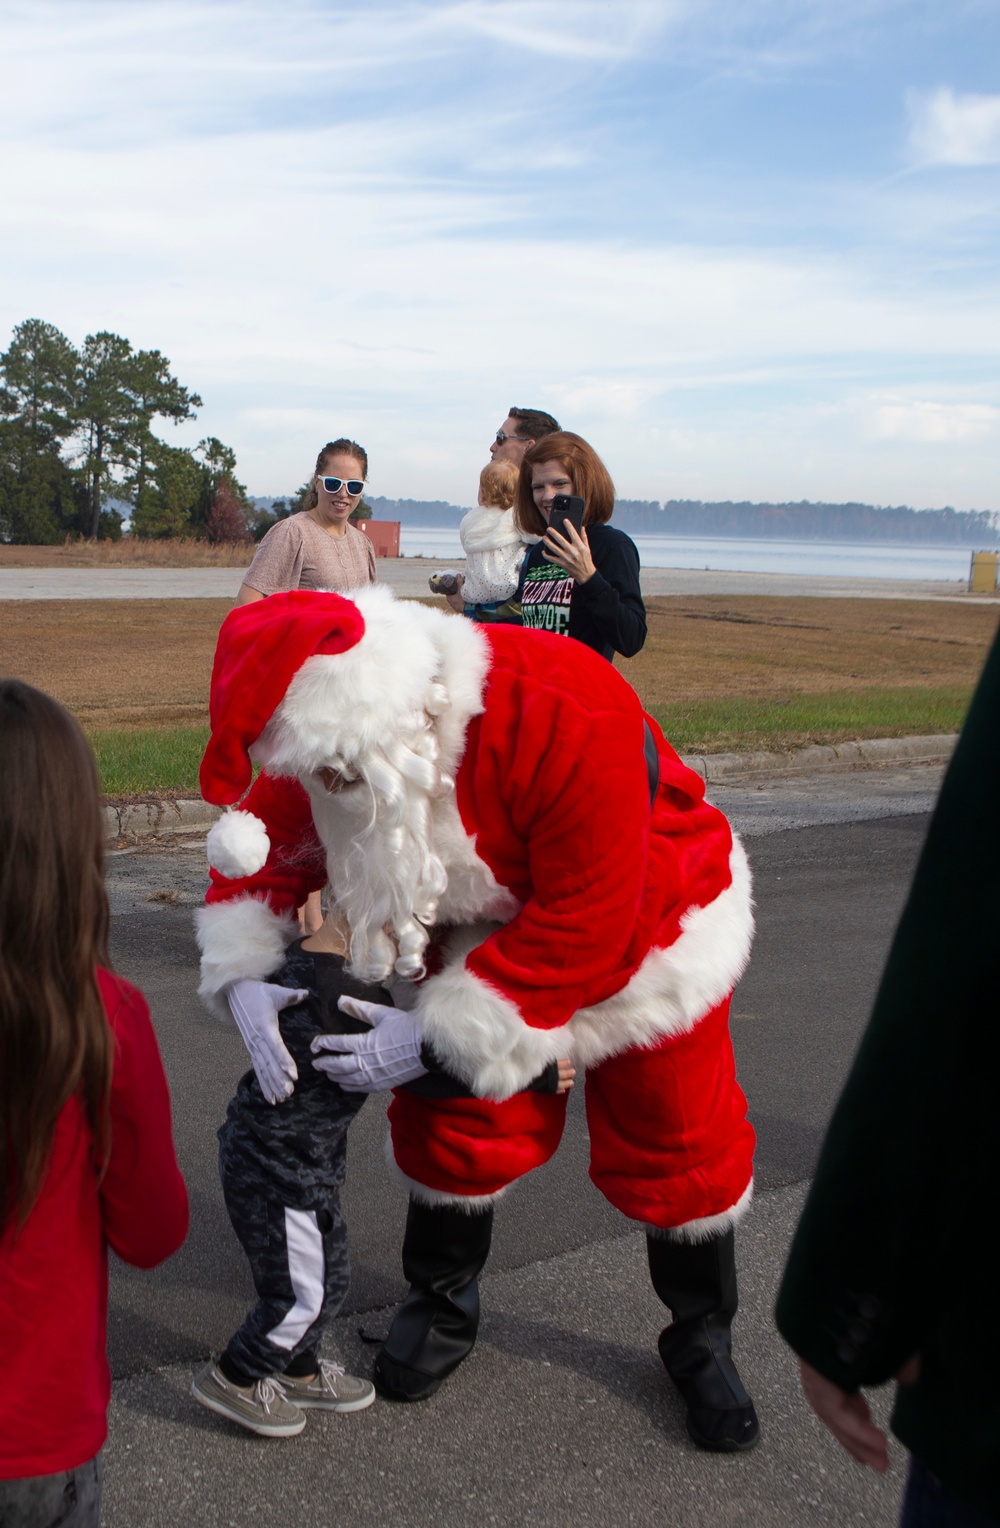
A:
[890,1273]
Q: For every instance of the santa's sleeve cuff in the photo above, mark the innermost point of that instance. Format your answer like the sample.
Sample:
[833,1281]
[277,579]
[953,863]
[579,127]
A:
[480,1036]
[238,938]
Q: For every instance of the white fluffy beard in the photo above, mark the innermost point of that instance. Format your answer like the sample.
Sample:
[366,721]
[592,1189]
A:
[385,875]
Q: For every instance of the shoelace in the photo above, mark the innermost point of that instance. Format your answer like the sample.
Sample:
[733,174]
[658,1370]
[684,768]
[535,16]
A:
[328,1373]
[268,1391]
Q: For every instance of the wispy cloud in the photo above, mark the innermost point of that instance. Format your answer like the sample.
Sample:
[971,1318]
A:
[953,129]
[930,423]
[221,64]
[662,219]
[570,29]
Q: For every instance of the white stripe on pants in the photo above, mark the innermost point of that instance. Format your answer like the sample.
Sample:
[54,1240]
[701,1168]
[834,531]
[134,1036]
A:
[306,1269]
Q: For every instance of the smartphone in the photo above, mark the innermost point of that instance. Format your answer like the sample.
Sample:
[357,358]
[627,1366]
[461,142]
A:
[566,506]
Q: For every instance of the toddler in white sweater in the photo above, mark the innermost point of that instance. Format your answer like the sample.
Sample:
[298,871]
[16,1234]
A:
[494,550]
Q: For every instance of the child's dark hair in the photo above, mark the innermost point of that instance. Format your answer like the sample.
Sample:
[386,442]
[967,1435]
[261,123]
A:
[55,1039]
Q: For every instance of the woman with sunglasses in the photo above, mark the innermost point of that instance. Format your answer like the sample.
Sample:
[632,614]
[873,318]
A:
[318,548]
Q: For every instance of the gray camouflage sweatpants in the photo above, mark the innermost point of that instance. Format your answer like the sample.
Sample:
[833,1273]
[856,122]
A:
[282,1168]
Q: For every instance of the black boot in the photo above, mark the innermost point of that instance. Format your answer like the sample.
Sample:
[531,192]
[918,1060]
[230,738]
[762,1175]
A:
[697,1281]
[444,1250]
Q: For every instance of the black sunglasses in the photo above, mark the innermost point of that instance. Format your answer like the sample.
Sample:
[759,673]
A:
[354,486]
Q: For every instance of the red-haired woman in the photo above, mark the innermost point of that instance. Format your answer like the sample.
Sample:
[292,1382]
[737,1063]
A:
[578,585]
[86,1152]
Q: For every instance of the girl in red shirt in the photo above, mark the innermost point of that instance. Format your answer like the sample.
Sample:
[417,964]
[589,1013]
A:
[87,1156]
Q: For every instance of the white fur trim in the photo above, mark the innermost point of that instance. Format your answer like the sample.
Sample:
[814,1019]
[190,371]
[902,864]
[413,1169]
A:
[237,845]
[472,1204]
[675,988]
[708,1226]
[480,1036]
[237,939]
[411,659]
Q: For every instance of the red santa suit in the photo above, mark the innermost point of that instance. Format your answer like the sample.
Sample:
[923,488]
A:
[578,918]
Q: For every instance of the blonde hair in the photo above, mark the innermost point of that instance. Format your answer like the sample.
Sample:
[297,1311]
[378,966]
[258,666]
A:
[498,485]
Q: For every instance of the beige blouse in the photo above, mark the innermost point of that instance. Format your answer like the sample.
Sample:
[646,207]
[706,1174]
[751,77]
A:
[298,554]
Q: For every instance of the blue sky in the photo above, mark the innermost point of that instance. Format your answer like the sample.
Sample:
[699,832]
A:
[746,247]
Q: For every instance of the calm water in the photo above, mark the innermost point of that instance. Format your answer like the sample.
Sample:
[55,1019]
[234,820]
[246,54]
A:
[831,559]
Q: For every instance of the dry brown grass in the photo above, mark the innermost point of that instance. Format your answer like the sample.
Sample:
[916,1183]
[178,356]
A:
[763,647]
[116,663]
[128,553]
[142,663]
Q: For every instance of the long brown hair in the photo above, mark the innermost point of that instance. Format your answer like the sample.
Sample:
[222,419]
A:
[54,1034]
[582,465]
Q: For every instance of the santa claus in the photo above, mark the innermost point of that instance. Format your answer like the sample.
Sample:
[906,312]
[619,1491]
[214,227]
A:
[514,845]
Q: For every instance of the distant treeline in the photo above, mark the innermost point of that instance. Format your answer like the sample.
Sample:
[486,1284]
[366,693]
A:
[792,522]
[428,512]
[808,522]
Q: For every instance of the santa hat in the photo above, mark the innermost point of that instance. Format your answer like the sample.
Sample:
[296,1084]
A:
[260,650]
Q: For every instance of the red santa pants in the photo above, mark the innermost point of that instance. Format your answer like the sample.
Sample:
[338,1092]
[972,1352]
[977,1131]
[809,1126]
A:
[669,1137]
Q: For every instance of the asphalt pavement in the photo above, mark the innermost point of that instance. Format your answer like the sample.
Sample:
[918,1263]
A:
[408,576]
[563,1414]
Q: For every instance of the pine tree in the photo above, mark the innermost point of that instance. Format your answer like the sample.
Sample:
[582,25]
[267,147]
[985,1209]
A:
[155,394]
[170,502]
[38,375]
[121,391]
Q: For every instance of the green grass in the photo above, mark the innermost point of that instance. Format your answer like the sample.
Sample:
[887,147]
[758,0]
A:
[738,725]
[155,761]
[150,760]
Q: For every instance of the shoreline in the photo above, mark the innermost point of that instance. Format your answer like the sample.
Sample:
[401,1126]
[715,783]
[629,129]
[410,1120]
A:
[408,577]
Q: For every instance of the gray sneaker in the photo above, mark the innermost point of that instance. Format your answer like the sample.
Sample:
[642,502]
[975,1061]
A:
[332,1389]
[261,1407]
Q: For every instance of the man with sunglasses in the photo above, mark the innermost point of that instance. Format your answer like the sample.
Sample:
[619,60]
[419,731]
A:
[520,429]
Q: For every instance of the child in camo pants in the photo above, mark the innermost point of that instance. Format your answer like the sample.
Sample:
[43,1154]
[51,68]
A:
[282,1167]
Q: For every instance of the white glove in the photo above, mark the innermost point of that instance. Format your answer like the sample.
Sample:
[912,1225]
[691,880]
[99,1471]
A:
[386,1057]
[255,1007]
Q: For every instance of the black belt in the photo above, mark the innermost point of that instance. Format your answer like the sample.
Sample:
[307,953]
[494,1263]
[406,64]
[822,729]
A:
[652,762]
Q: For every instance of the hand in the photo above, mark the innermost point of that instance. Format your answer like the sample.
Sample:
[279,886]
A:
[567,1072]
[384,1058]
[570,550]
[255,1007]
[847,1417]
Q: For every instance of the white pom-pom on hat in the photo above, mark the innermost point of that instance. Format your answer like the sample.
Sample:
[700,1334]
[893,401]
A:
[237,845]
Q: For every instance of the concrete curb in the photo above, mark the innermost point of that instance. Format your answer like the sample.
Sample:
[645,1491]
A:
[167,819]
[157,819]
[818,758]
